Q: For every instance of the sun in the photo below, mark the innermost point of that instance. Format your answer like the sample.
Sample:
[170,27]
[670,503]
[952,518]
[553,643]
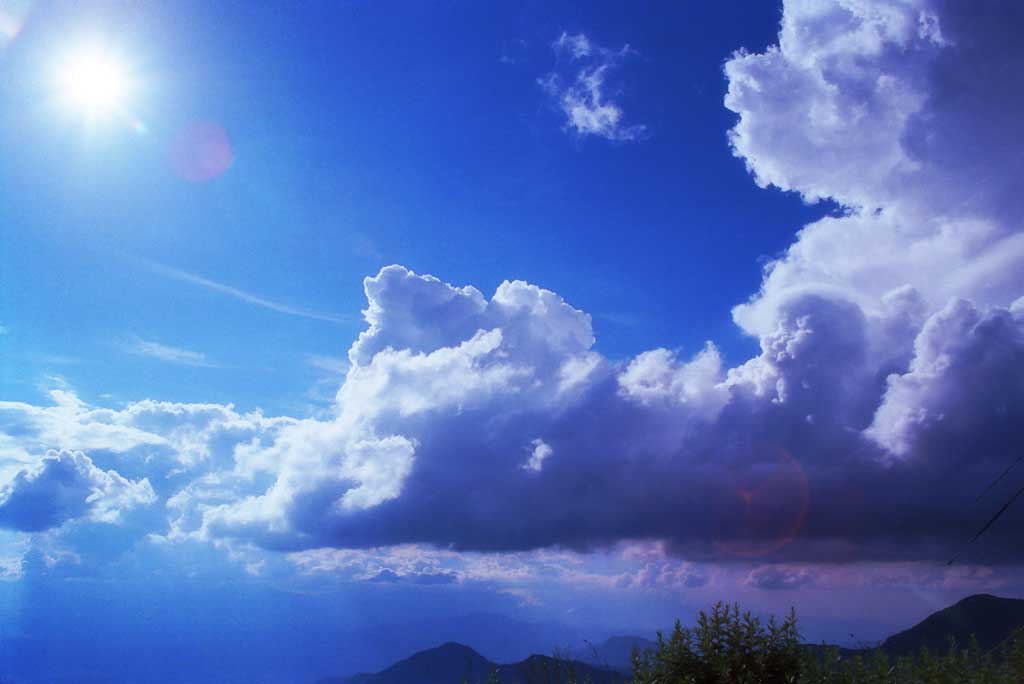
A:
[93,82]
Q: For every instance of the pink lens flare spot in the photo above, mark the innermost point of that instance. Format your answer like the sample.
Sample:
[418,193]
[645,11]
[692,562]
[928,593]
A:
[764,511]
[201,151]
[13,14]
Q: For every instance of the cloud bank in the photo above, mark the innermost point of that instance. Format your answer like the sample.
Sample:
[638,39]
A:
[66,485]
[888,391]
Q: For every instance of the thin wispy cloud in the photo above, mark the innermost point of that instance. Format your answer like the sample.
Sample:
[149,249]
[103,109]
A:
[242,295]
[164,352]
[578,45]
[334,365]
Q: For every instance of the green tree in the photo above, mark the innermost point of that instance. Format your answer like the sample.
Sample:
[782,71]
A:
[730,647]
[725,647]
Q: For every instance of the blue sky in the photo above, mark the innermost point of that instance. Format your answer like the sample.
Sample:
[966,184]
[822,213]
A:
[561,320]
[365,136]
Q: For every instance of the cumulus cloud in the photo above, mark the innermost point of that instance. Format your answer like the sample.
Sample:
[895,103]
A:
[658,377]
[964,387]
[66,485]
[427,445]
[30,430]
[886,394]
[856,367]
[539,451]
[773,458]
[580,89]
[144,434]
[885,104]
[888,108]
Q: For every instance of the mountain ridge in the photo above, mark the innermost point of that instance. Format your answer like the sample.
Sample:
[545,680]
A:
[990,618]
[455,663]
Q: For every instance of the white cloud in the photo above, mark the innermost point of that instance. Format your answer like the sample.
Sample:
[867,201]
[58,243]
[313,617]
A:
[165,435]
[539,452]
[66,485]
[965,383]
[581,92]
[168,353]
[856,104]
[887,382]
[577,45]
[656,376]
[69,424]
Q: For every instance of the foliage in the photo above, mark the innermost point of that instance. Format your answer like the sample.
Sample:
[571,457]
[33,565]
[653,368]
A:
[726,647]
[730,647]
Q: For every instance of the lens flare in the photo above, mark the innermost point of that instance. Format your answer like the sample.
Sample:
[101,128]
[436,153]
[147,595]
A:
[13,15]
[201,151]
[765,512]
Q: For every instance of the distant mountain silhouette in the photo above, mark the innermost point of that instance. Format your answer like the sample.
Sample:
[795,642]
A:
[616,653]
[453,663]
[540,669]
[989,618]
[450,662]
[502,638]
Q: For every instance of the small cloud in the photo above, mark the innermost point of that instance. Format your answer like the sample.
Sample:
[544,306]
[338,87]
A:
[541,451]
[3,330]
[168,353]
[777,578]
[576,45]
[581,93]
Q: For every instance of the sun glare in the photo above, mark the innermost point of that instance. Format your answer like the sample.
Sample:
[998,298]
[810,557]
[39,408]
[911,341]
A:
[93,82]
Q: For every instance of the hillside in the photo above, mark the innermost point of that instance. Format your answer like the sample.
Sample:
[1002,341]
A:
[616,653]
[452,662]
[990,618]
